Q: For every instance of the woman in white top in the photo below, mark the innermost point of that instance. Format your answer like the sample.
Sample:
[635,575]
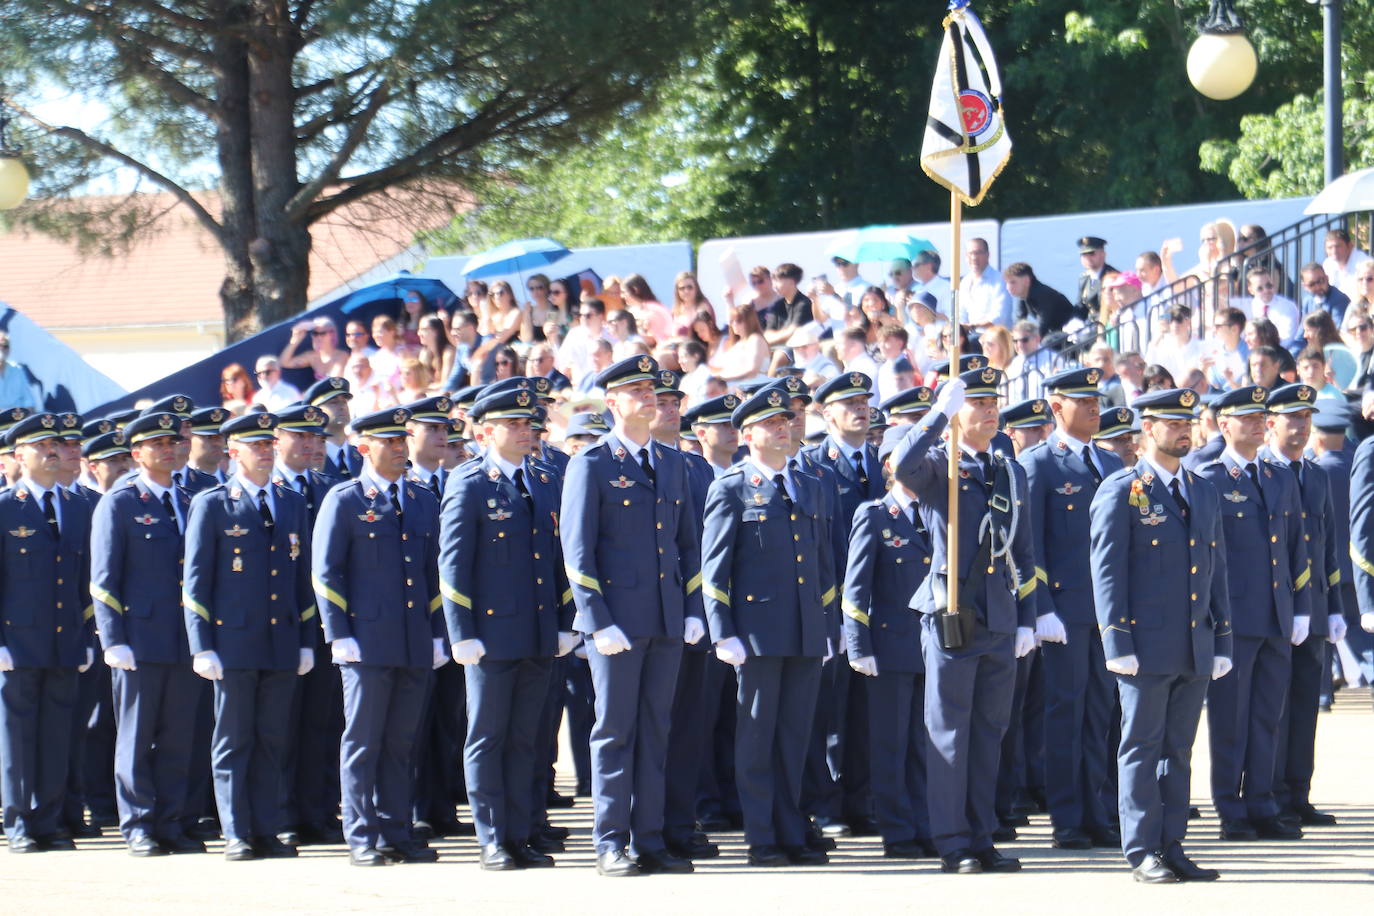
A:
[746,352]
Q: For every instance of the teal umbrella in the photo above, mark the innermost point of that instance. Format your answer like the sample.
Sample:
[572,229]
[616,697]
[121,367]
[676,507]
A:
[515,257]
[877,243]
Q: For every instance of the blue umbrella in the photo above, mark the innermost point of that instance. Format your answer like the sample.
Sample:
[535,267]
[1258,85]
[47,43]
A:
[877,243]
[515,257]
[435,291]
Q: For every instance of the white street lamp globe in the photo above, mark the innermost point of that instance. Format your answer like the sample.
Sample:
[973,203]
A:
[14,182]
[1222,66]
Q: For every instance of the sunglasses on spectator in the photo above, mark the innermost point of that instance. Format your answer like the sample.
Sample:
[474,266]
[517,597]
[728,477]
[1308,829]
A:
[229,378]
[1364,279]
[320,333]
[352,333]
[1019,339]
[503,362]
[760,281]
[1361,327]
[262,372]
[1267,285]
[585,314]
[537,286]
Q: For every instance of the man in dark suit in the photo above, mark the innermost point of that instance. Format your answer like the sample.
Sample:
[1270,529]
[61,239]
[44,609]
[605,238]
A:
[1318,293]
[1036,301]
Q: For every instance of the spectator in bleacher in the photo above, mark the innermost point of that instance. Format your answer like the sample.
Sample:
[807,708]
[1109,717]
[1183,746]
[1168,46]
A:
[610,294]
[1224,359]
[1359,337]
[415,380]
[654,320]
[692,355]
[1150,271]
[1267,303]
[1363,299]
[539,308]
[475,295]
[575,355]
[386,361]
[1092,254]
[506,363]
[983,299]
[275,392]
[539,364]
[505,321]
[873,303]
[892,347]
[848,286]
[371,392]
[806,355]
[858,318]
[1158,378]
[706,332]
[997,347]
[746,351]
[1217,242]
[325,358]
[1035,301]
[1342,262]
[688,299]
[436,350]
[1176,350]
[600,355]
[623,327]
[564,295]
[1032,364]
[791,310]
[1101,356]
[465,340]
[901,283]
[1130,368]
[1129,324]
[1265,363]
[413,309]
[1312,371]
[853,352]
[1260,332]
[1253,245]
[828,307]
[1318,330]
[1319,295]
[925,267]
[235,385]
[357,340]
[922,311]
[666,357]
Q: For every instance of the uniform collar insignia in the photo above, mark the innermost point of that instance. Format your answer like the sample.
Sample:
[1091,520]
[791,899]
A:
[1062,445]
[620,453]
[494,473]
[834,453]
[1235,472]
[755,480]
[371,493]
[1148,478]
[894,510]
[143,495]
[22,493]
[236,493]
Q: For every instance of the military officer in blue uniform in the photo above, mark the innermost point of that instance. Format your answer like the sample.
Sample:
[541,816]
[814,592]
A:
[1027,423]
[971,653]
[632,552]
[908,406]
[207,442]
[1262,517]
[45,636]
[250,621]
[375,569]
[1334,453]
[9,464]
[764,584]
[508,616]
[1362,535]
[1160,592]
[137,547]
[1291,408]
[1117,433]
[341,458]
[185,476]
[1062,476]
[889,557]
[841,802]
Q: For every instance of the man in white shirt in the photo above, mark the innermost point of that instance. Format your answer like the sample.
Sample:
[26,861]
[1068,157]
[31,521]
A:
[983,298]
[850,286]
[575,355]
[925,267]
[1150,270]
[274,393]
[1027,371]
[854,353]
[1342,260]
[806,355]
[1267,303]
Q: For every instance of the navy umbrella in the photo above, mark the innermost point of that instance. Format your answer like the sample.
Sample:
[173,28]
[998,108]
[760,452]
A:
[434,291]
[515,258]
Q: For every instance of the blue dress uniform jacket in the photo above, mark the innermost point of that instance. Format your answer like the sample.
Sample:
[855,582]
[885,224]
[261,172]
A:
[232,561]
[1317,512]
[608,505]
[360,552]
[888,559]
[1362,524]
[46,612]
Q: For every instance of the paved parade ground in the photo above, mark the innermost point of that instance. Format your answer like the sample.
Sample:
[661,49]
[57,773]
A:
[1330,870]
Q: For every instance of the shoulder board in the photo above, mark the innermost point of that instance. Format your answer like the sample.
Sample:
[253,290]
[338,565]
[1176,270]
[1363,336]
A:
[468,469]
[1038,447]
[737,469]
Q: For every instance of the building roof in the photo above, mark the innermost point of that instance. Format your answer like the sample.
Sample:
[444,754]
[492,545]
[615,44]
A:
[173,274]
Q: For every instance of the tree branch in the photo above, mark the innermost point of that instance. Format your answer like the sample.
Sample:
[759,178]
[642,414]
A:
[106,21]
[296,207]
[136,56]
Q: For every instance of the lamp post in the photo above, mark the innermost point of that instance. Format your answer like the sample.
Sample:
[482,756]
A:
[14,178]
[1222,62]
[1334,129]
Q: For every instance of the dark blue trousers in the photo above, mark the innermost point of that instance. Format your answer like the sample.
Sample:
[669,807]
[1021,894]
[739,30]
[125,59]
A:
[897,741]
[1243,712]
[823,791]
[1079,695]
[36,709]
[505,700]
[438,751]
[382,710]
[716,791]
[634,699]
[90,767]
[248,754]
[200,791]
[968,706]
[1297,744]
[1159,717]
[580,701]
[156,708]
[686,747]
[545,747]
[777,708]
[313,771]
[1011,767]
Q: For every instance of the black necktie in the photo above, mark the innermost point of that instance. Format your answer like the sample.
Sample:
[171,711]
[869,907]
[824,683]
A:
[520,485]
[435,485]
[50,512]
[644,463]
[176,478]
[264,510]
[343,464]
[300,484]
[781,484]
[985,460]
[1253,470]
[1088,460]
[1297,471]
[395,493]
[860,469]
[167,504]
[1177,491]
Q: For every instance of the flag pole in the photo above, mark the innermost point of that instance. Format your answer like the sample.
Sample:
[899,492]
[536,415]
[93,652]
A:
[956,212]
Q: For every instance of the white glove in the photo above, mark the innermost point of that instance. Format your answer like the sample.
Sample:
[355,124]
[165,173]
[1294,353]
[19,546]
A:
[121,657]
[866,665]
[1025,641]
[345,649]
[829,651]
[208,666]
[1335,628]
[440,653]
[6,659]
[90,660]
[1221,665]
[470,651]
[1049,628]
[1126,664]
[951,396]
[731,651]
[610,641]
[692,630]
[1367,621]
[307,663]
[566,643]
[1302,626]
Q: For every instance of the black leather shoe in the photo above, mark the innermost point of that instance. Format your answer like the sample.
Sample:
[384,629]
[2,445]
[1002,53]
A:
[1237,830]
[366,858]
[833,829]
[992,860]
[801,855]
[904,849]
[1271,828]
[663,862]
[452,827]
[1072,838]
[289,838]
[1194,813]
[1105,837]
[145,847]
[1025,805]
[422,830]
[616,864]
[553,832]
[181,845]
[817,840]
[527,856]
[544,844]
[269,847]
[1185,868]
[1154,870]
[205,828]
[1013,820]
[767,857]
[83,831]
[560,801]
[24,844]
[55,842]
[697,847]
[1004,834]
[1311,817]
[321,834]
[239,851]
[713,823]
[411,851]
[494,857]
[864,826]
[961,862]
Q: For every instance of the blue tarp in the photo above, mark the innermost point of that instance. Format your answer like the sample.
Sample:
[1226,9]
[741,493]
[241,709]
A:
[59,378]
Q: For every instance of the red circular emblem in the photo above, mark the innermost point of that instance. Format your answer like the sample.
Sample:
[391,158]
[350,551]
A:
[976,110]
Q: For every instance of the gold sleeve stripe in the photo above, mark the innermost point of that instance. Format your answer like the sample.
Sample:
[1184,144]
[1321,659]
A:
[195,606]
[829,596]
[88,613]
[452,594]
[334,597]
[307,613]
[1042,575]
[1026,587]
[694,583]
[567,596]
[435,603]
[713,592]
[1360,561]
[107,599]
[851,610]
[583,580]
[1303,578]
[1334,578]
